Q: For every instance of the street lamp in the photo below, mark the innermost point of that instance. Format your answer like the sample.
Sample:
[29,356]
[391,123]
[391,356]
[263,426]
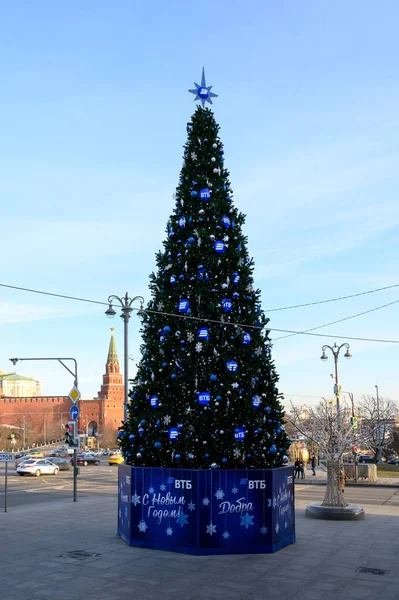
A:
[126,308]
[75,378]
[335,351]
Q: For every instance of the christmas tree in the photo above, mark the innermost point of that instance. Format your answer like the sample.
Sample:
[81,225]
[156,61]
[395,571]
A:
[205,392]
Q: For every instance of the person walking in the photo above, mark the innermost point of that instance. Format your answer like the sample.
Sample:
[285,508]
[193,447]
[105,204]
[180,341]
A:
[302,469]
[313,464]
[297,467]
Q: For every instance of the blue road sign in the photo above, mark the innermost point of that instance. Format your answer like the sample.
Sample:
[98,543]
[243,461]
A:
[74,412]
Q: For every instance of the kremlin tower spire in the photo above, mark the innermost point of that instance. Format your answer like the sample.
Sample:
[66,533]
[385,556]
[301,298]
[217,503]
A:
[112,365]
[111,393]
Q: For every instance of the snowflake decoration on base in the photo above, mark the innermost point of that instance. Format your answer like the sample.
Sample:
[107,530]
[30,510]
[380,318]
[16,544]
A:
[169,531]
[211,528]
[142,526]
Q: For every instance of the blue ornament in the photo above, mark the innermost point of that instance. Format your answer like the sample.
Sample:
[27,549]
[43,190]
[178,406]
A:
[213,377]
[256,401]
[203,333]
[154,401]
[218,397]
[194,193]
[173,433]
[227,304]
[236,295]
[131,437]
[191,240]
[141,431]
[171,233]
[205,194]
[182,222]
[157,445]
[173,376]
[204,398]
[219,246]
[236,278]
[167,329]
[232,366]
[172,280]
[239,434]
[226,222]
[143,422]
[181,276]
[224,460]
[246,338]
[189,311]
[183,306]
[177,456]
[273,449]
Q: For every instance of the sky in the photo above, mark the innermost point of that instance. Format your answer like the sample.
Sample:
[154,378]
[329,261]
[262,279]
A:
[93,113]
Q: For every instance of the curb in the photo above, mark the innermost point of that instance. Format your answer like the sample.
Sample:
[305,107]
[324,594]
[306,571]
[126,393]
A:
[354,484]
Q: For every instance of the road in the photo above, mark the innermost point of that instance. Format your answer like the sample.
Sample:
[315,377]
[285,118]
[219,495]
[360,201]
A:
[95,481]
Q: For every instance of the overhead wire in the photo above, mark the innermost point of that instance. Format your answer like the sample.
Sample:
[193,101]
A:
[288,331]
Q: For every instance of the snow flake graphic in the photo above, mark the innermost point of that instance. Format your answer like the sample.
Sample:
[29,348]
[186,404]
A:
[167,420]
[169,531]
[237,453]
[263,530]
[198,347]
[182,519]
[247,520]
[219,494]
[205,501]
[226,535]
[269,503]
[274,501]
[234,490]
[142,526]
[234,385]
[167,267]
[211,528]
[136,498]
[151,490]
[258,351]
[193,156]
[191,506]
[162,487]
[277,528]
[190,337]
[160,305]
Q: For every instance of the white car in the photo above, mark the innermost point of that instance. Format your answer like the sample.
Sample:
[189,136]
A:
[37,467]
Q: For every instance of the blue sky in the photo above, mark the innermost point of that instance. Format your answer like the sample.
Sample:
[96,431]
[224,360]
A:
[93,108]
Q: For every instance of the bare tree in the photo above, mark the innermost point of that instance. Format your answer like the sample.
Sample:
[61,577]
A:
[332,434]
[377,418]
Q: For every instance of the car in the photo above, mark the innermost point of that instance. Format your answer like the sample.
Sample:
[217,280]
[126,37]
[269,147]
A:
[86,459]
[37,467]
[22,454]
[36,454]
[393,460]
[20,460]
[59,453]
[366,458]
[115,458]
[64,464]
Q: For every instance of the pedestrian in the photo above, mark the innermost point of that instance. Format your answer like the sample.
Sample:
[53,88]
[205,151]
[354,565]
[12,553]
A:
[297,467]
[313,464]
[302,469]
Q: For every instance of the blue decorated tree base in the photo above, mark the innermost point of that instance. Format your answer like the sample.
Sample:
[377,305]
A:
[206,511]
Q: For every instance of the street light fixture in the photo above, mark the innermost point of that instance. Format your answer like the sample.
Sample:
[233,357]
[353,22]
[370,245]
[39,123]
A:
[126,308]
[335,352]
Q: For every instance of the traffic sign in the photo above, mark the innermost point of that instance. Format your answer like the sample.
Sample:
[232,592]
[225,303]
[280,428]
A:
[74,412]
[7,457]
[74,394]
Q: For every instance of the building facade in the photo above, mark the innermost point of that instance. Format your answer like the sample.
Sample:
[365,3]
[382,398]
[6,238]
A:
[18,386]
[47,416]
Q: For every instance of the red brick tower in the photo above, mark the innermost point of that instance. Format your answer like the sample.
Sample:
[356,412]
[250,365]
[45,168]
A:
[111,395]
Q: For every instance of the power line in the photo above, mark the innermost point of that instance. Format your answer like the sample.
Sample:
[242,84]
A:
[388,287]
[290,331]
[339,320]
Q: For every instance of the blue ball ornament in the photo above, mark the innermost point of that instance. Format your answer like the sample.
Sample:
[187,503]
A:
[131,437]
[239,434]
[181,276]
[182,222]
[173,433]
[154,401]
[143,422]
[205,194]
[173,376]
[183,306]
[213,377]
[191,240]
[167,329]
[236,278]
[157,445]
[172,280]
[246,338]
[219,246]
[256,401]
[226,221]
[177,457]
[227,304]
[231,366]
[236,295]
[224,460]
[272,449]
[218,398]
[164,364]
[194,193]
[204,398]
[203,333]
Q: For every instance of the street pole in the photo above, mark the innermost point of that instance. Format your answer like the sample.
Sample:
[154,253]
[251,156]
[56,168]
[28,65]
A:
[126,308]
[75,376]
[378,428]
[335,352]
[337,390]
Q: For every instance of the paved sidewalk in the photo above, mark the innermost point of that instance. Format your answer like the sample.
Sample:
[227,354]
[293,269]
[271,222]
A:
[321,478]
[326,562]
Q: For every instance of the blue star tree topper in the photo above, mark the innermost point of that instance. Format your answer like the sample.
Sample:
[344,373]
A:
[203,92]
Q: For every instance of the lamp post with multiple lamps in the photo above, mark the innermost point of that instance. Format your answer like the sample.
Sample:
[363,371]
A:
[335,352]
[125,304]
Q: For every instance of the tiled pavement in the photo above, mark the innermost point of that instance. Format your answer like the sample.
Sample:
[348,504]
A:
[324,564]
